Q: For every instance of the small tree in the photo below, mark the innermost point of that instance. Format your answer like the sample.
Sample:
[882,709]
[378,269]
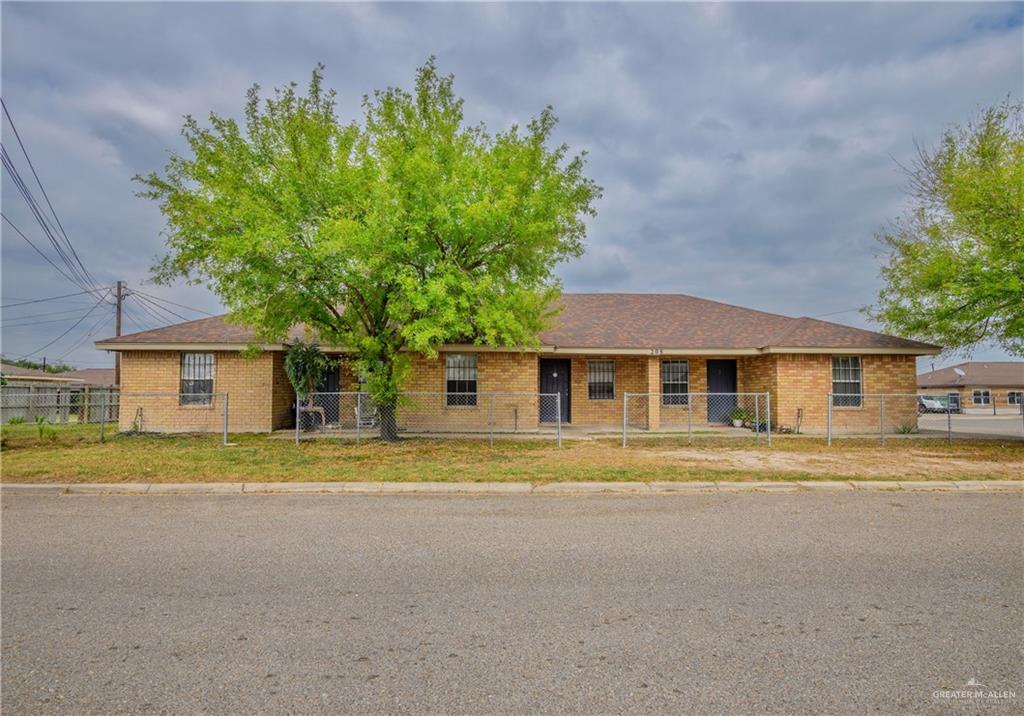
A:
[955,274]
[306,366]
[390,236]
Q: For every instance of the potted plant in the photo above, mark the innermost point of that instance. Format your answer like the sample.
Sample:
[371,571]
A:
[738,416]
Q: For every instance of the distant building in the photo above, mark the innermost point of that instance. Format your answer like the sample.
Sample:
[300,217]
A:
[978,385]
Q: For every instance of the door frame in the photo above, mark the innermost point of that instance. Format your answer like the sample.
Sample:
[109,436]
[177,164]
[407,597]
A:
[567,362]
[719,405]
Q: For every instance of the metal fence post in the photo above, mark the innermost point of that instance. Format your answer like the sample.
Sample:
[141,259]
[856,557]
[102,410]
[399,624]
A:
[768,418]
[558,412]
[625,412]
[490,420]
[757,419]
[103,416]
[949,426]
[881,417]
[298,416]
[359,416]
[225,419]
[689,418]
[830,420]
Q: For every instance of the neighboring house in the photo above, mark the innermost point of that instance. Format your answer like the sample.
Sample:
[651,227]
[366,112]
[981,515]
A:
[978,385]
[30,392]
[600,347]
[99,377]
[17,376]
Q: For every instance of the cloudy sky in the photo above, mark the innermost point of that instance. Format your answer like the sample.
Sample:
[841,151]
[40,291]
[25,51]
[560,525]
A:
[748,152]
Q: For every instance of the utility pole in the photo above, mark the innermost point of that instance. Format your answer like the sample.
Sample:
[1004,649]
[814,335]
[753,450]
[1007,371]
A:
[117,332]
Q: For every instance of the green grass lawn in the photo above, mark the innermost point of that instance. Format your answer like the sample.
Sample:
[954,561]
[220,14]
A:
[75,454]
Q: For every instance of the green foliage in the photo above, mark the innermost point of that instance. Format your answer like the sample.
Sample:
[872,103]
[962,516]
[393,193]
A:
[399,233]
[43,428]
[16,420]
[49,368]
[739,413]
[956,267]
[906,429]
[306,366]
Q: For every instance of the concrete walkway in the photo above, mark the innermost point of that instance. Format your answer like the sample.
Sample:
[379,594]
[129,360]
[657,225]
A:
[518,488]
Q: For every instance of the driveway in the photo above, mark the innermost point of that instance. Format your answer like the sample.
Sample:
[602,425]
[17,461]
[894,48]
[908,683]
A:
[974,425]
[805,603]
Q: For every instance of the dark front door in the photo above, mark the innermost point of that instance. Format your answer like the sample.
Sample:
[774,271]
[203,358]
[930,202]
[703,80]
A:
[721,380]
[554,378]
[330,402]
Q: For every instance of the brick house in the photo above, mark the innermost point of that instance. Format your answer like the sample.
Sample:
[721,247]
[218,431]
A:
[599,347]
[978,386]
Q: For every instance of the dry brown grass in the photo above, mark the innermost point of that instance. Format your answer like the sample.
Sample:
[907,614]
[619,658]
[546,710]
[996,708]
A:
[74,458]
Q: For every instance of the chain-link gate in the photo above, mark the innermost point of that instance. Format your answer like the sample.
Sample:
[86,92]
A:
[736,415]
[357,415]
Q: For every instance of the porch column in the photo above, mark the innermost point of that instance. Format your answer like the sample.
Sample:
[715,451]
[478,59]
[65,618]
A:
[654,393]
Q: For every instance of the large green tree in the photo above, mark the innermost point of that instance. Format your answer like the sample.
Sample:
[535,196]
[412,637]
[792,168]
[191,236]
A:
[955,274]
[398,233]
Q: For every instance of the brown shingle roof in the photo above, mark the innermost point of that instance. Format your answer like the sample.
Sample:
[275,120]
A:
[17,372]
[619,321]
[985,373]
[92,376]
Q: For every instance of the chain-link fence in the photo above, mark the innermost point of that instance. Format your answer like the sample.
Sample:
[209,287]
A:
[103,413]
[358,416]
[735,415]
[887,416]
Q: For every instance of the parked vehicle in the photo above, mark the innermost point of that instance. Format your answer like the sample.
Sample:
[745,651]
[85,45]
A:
[935,404]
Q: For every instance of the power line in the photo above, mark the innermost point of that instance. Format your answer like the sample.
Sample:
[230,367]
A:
[38,251]
[87,336]
[64,312]
[42,300]
[172,303]
[91,279]
[156,305]
[94,307]
[80,279]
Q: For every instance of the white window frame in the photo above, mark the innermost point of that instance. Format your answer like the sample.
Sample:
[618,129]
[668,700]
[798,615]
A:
[675,398]
[845,367]
[1015,397]
[981,397]
[597,374]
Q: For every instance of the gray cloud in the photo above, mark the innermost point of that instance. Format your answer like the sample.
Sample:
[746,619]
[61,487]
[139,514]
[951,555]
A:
[746,150]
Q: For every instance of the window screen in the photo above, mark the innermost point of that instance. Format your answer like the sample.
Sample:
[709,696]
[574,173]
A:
[196,378]
[846,383]
[675,382]
[601,379]
[460,378]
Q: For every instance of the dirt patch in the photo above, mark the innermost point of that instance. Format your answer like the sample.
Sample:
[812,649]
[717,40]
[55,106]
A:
[870,464]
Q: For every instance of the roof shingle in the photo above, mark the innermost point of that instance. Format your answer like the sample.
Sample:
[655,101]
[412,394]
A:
[617,321]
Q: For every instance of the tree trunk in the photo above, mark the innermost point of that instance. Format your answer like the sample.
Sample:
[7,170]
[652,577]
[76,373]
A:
[387,420]
[387,407]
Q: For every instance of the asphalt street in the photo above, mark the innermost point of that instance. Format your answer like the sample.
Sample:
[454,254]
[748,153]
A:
[729,603]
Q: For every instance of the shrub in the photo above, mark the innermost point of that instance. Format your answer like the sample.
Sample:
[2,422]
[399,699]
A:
[16,420]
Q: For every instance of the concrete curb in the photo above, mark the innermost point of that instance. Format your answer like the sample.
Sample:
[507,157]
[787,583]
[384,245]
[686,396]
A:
[509,488]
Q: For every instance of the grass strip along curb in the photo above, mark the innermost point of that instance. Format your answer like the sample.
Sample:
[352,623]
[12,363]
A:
[512,488]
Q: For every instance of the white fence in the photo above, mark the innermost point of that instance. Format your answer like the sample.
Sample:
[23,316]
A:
[735,415]
[99,413]
[358,416]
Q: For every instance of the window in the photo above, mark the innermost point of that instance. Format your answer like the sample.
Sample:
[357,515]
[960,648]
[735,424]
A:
[601,379]
[1015,397]
[196,378]
[675,382]
[846,384]
[460,378]
[982,397]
